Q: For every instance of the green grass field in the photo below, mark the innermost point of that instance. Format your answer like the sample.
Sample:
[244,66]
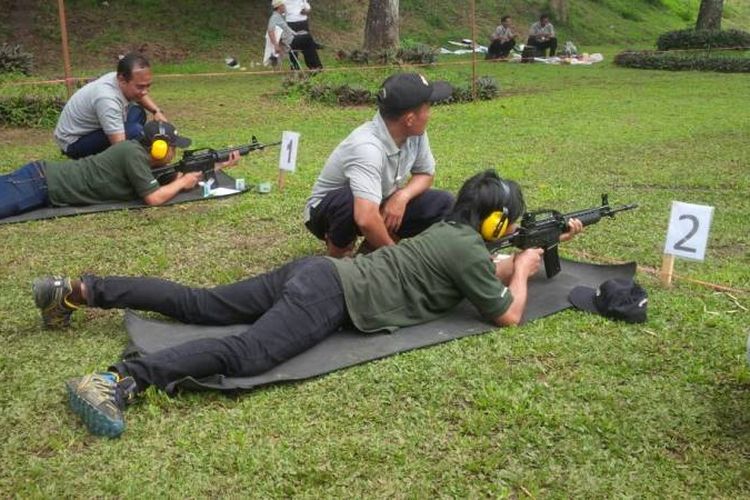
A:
[572,405]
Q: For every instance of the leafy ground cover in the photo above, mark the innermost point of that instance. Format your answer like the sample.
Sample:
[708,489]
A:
[569,406]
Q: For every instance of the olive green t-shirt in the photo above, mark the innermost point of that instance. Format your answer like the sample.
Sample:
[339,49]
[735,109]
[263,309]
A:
[421,279]
[120,173]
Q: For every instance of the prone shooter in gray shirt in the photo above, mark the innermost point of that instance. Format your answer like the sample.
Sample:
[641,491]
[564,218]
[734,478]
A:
[377,182]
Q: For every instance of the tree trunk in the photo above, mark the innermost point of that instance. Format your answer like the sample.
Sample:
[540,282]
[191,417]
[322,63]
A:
[559,10]
[709,15]
[381,28]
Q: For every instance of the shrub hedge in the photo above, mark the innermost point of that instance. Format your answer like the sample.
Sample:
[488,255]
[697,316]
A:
[487,88]
[703,39]
[683,61]
[13,59]
[30,111]
[345,94]
[417,54]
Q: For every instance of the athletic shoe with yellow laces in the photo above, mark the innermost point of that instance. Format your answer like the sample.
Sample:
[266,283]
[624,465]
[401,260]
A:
[51,297]
[99,399]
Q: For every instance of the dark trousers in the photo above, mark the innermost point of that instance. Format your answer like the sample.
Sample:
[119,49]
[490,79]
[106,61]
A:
[306,44]
[97,141]
[303,26]
[287,311]
[541,47]
[334,215]
[499,49]
[23,190]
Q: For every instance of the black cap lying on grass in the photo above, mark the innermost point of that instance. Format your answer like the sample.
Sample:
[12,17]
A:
[621,299]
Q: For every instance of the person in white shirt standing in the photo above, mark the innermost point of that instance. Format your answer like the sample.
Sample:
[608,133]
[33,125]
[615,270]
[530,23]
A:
[297,12]
[290,39]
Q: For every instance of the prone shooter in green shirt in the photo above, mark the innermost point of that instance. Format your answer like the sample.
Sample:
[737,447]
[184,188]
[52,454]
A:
[122,172]
[292,308]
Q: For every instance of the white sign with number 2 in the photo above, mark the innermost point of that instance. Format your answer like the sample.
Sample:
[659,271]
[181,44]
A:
[288,156]
[687,234]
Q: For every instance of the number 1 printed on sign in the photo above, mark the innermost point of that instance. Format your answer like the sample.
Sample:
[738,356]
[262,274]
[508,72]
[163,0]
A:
[289,146]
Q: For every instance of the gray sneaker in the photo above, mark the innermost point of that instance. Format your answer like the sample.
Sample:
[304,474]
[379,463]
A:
[50,296]
[99,399]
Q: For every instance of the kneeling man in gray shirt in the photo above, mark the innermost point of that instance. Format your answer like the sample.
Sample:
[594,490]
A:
[377,182]
[108,110]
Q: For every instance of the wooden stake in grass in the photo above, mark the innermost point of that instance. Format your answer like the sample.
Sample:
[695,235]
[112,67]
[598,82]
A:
[667,269]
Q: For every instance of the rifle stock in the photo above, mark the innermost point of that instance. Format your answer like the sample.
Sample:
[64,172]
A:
[542,229]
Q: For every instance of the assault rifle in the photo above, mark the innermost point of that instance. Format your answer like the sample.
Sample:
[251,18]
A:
[204,161]
[542,229]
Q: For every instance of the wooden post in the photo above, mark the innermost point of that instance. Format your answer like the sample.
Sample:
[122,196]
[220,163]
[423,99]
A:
[473,51]
[667,270]
[65,48]
[282,179]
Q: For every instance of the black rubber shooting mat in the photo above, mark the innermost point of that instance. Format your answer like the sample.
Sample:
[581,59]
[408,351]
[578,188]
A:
[351,347]
[223,180]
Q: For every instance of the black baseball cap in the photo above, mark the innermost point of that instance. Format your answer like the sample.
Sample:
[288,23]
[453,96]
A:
[155,128]
[404,91]
[621,299]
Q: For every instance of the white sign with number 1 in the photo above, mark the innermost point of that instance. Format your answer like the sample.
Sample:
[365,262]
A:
[288,156]
[687,235]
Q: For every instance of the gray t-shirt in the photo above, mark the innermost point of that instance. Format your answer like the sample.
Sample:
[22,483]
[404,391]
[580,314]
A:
[502,33]
[287,33]
[98,105]
[371,164]
[538,30]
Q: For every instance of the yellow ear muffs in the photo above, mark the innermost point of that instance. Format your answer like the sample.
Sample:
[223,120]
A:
[159,149]
[495,225]
[159,145]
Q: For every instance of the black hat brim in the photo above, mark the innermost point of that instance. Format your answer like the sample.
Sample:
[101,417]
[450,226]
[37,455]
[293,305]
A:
[440,91]
[582,297]
[181,142]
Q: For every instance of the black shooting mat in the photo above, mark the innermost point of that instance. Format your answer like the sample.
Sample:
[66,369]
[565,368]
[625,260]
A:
[351,347]
[222,180]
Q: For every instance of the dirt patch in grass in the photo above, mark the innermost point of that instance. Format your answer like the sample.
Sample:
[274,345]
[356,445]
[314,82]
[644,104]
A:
[24,136]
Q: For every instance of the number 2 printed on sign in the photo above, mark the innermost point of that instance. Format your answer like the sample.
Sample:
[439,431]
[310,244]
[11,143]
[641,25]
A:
[687,234]
[680,245]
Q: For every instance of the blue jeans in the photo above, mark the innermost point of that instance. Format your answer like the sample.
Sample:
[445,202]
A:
[97,141]
[23,190]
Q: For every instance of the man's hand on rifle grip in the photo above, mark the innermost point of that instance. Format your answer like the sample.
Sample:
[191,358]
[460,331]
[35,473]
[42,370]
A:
[527,261]
[189,180]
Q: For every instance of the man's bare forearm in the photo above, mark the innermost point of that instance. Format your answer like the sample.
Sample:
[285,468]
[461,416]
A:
[418,184]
